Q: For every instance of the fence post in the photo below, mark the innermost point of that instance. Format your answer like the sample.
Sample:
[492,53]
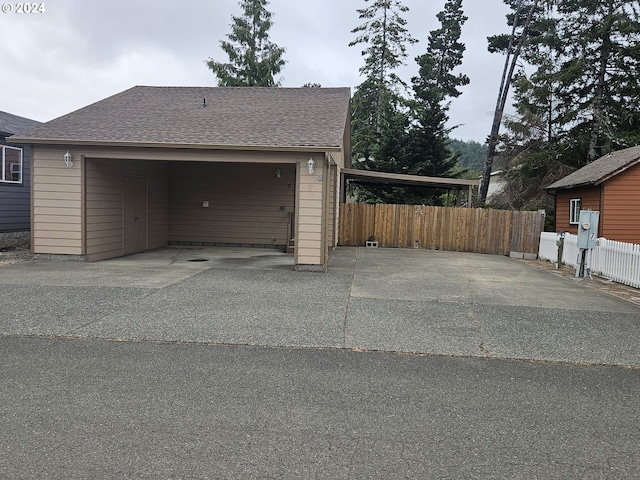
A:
[560,244]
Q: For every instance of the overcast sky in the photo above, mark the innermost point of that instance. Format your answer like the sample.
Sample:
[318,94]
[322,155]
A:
[78,52]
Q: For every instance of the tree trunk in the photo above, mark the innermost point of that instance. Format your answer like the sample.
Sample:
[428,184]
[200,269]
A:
[507,75]
[599,92]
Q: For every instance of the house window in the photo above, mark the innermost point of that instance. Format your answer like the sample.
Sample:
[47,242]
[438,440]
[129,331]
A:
[574,211]
[10,164]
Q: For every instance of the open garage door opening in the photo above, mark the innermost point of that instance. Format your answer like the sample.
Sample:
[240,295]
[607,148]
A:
[231,204]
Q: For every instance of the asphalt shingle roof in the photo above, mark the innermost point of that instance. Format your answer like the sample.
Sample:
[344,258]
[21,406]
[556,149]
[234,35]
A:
[599,170]
[10,124]
[241,116]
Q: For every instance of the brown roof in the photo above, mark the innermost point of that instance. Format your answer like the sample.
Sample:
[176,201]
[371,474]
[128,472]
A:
[233,117]
[599,170]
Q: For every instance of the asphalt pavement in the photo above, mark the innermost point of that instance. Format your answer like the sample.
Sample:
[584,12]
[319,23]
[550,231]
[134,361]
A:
[87,408]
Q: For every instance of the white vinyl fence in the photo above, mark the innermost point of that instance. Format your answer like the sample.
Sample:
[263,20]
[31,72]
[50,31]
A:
[617,261]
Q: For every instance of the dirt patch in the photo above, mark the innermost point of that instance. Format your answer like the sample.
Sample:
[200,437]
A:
[15,247]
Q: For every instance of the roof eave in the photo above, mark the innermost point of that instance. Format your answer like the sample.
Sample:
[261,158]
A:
[552,190]
[617,172]
[194,146]
[400,178]
[595,182]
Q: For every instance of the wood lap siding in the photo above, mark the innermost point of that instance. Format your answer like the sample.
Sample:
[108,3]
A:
[309,248]
[105,204]
[57,199]
[589,199]
[158,200]
[248,204]
[621,217]
[15,199]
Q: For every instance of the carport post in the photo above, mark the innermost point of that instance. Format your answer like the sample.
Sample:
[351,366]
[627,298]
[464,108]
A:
[311,213]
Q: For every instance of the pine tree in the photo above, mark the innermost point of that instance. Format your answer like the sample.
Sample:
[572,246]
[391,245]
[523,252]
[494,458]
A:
[586,60]
[511,45]
[399,135]
[434,88]
[253,59]
[600,60]
[379,111]
[385,37]
[578,100]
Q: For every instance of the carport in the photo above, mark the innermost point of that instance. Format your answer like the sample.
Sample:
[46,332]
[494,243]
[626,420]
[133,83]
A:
[134,205]
[365,177]
[157,166]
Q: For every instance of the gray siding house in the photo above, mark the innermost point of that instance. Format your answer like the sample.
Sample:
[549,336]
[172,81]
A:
[15,175]
[157,166]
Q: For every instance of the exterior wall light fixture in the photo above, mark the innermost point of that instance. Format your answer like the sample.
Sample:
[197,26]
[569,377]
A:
[67,159]
[312,166]
[278,174]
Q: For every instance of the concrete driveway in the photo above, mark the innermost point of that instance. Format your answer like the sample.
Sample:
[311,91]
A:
[409,301]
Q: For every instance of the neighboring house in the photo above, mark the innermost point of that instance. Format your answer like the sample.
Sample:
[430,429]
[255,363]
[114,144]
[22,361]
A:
[610,185]
[15,175]
[497,183]
[157,166]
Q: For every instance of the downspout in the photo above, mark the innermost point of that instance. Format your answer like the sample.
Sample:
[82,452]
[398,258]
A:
[600,232]
[335,194]
[31,189]
[555,209]
[325,213]
[83,204]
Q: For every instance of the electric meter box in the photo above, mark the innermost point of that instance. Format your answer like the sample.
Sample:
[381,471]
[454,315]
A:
[588,229]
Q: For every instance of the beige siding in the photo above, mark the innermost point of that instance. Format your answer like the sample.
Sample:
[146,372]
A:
[56,203]
[248,203]
[105,204]
[185,155]
[311,232]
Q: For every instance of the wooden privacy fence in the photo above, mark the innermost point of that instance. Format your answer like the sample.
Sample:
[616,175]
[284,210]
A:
[474,230]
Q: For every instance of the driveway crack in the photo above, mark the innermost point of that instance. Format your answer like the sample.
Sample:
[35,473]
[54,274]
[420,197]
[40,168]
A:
[480,330]
[346,311]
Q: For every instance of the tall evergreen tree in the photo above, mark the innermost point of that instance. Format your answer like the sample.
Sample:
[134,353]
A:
[385,38]
[253,59]
[379,110]
[578,100]
[511,45]
[585,56]
[434,88]
[600,53]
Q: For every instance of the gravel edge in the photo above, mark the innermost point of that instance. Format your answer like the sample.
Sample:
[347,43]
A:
[15,247]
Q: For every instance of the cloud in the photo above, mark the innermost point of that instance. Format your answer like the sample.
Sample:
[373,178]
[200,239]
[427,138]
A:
[78,52]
